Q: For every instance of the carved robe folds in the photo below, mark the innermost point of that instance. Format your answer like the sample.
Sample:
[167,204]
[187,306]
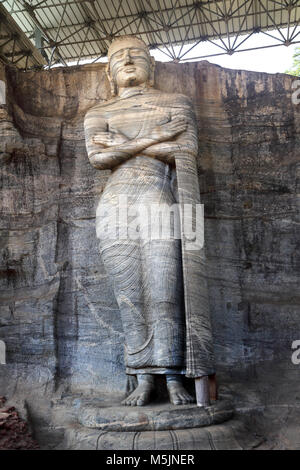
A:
[160,285]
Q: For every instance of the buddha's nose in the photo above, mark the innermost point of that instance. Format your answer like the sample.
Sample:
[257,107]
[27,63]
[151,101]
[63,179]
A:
[128,58]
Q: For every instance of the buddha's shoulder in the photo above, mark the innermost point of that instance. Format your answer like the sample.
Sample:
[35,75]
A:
[104,108]
[174,99]
[152,95]
[97,109]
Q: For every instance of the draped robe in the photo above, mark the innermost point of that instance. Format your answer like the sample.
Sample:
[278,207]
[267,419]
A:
[160,285]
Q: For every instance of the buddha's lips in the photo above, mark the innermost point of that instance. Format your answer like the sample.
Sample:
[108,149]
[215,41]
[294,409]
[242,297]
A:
[128,66]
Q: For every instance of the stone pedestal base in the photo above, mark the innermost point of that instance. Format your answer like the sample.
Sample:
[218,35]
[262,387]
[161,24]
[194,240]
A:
[227,436]
[103,424]
[157,417]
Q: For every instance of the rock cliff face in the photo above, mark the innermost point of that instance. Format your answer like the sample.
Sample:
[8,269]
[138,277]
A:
[59,318]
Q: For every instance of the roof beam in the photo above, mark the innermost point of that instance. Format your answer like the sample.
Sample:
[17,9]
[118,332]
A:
[78,29]
[17,42]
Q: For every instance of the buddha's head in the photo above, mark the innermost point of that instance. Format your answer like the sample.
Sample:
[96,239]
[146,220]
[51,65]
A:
[129,64]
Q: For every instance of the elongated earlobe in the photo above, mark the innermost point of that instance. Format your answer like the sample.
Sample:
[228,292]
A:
[113,86]
[152,70]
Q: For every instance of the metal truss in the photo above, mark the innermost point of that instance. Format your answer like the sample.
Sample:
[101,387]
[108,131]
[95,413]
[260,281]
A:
[71,31]
[15,47]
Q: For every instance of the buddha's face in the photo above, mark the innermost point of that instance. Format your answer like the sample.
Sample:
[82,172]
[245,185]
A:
[130,66]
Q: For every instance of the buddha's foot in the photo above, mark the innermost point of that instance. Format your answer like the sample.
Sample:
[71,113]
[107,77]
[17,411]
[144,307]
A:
[141,395]
[177,393]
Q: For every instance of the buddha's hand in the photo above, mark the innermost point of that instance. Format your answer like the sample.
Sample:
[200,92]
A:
[168,130]
[109,139]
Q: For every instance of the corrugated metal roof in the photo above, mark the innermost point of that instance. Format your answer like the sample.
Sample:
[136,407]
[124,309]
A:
[74,30]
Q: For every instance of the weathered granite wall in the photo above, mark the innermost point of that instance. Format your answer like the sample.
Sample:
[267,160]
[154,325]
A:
[58,317]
